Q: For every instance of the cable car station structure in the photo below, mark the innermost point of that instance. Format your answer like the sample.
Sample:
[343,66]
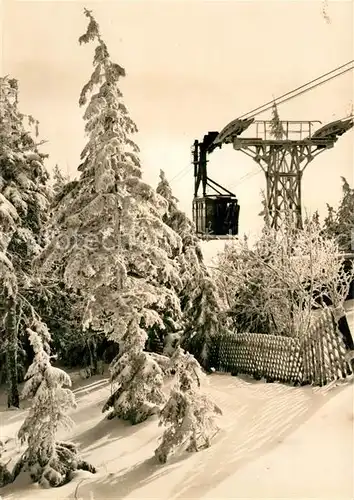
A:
[282,160]
[282,154]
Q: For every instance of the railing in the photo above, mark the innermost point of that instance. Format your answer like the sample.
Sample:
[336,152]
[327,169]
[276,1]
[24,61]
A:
[289,129]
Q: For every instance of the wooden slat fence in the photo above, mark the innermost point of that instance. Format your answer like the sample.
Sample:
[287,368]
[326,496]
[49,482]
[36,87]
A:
[323,352]
[317,358]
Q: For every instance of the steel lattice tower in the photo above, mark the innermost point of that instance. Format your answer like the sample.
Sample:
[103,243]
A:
[284,160]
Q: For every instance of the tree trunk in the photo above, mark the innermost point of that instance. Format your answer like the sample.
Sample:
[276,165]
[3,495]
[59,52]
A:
[92,348]
[13,398]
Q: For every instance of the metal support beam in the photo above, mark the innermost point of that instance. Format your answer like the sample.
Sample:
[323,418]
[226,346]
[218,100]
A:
[203,167]
[200,152]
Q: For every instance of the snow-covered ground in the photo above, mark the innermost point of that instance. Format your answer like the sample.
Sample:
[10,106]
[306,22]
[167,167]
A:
[276,442]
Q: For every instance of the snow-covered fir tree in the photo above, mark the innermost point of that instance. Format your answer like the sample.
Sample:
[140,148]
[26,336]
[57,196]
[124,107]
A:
[24,200]
[23,179]
[340,223]
[204,320]
[8,297]
[178,220]
[48,461]
[189,414]
[111,242]
[264,213]
[59,180]
[201,303]
[137,379]
[276,127]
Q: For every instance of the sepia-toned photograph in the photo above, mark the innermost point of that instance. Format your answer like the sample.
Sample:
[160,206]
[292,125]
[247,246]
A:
[176,249]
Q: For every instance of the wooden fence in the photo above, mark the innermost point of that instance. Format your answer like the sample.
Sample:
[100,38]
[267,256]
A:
[323,352]
[317,358]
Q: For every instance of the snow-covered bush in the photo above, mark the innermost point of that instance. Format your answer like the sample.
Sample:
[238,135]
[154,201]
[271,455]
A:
[273,286]
[189,413]
[49,462]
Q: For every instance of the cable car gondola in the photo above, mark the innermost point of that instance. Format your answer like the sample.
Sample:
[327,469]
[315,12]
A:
[215,215]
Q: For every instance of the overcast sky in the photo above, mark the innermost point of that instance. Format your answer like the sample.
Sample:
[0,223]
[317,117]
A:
[192,66]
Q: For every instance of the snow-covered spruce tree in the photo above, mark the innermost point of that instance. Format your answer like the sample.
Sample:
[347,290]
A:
[178,220]
[340,223]
[201,302]
[57,305]
[23,180]
[49,462]
[264,213]
[189,413]
[8,297]
[61,310]
[60,181]
[137,378]
[203,318]
[23,210]
[111,242]
[276,127]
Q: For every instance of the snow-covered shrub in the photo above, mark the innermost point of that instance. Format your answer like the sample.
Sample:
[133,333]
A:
[273,286]
[49,462]
[189,413]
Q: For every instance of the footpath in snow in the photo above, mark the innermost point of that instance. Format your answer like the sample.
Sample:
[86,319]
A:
[276,442]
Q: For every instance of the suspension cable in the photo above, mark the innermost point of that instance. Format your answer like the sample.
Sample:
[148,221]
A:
[269,104]
[278,100]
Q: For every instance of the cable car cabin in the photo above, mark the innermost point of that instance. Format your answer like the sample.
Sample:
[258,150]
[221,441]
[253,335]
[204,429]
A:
[216,216]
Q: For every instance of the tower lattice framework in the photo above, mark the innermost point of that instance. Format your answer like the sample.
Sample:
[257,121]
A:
[283,161]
